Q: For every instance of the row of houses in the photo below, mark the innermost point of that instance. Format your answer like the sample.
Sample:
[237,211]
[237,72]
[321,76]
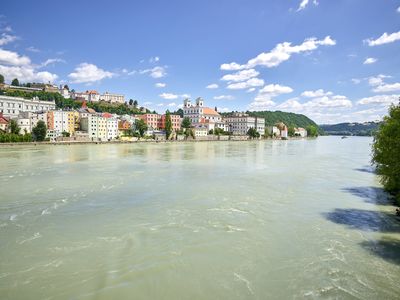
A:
[86,123]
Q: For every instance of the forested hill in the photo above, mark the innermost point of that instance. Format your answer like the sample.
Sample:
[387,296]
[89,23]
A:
[362,129]
[290,119]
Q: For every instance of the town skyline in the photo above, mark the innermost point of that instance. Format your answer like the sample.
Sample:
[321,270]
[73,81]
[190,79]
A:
[275,59]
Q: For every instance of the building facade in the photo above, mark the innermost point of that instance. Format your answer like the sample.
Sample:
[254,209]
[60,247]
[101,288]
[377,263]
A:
[240,123]
[12,106]
[201,116]
[112,98]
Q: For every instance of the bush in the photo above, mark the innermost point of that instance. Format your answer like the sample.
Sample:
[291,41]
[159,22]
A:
[386,152]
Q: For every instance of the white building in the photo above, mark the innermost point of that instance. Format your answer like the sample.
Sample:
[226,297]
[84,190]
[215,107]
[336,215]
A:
[201,116]
[300,132]
[240,123]
[64,92]
[27,120]
[200,131]
[100,128]
[12,106]
[112,98]
[112,128]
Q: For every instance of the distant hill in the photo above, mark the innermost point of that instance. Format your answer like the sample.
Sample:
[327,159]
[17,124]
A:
[361,129]
[290,119]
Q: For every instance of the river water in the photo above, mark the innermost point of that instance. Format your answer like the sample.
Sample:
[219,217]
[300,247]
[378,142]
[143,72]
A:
[212,220]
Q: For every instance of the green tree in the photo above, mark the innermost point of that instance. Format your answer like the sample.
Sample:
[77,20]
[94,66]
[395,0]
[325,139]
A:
[39,131]
[66,134]
[186,123]
[253,133]
[15,82]
[386,151]
[312,131]
[291,130]
[1,79]
[168,125]
[14,128]
[141,126]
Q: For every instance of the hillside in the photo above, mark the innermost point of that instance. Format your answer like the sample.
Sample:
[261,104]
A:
[290,119]
[361,129]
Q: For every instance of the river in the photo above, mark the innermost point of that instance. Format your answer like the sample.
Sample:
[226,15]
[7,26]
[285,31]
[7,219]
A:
[210,220]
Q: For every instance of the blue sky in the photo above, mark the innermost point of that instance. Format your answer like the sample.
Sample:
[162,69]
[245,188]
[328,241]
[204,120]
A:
[331,60]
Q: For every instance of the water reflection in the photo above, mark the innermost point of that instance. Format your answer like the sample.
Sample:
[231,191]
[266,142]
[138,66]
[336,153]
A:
[364,220]
[388,249]
[370,194]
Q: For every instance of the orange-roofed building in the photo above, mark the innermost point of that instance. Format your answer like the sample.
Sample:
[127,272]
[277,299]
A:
[200,115]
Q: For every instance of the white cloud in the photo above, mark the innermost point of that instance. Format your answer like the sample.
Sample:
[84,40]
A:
[398,9]
[160,104]
[33,49]
[224,109]
[250,90]
[291,104]
[370,60]
[275,90]
[154,59]
[51,61]
[147,103]
[160,85]
[317,93]
[387,87]
[7,38]
[280,53]
[377,80]
[356,80]
[231,67]
[384,39]
[253,82]
[241,75]
[156,72]
[13,65]
[89,73]
[263,100]
[168,96]
[379,99]
[224,97]
[13,58]
[26,74]
[171,104]
[212,86]
[337,101]
[7,29]
[185,96]
[304,3]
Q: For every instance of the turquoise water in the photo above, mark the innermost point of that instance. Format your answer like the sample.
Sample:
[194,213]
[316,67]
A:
[212,220]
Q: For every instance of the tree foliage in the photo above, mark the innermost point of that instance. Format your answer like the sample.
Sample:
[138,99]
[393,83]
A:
[386,151]
[141,126]
[273,117]
[14,128]
[168,124]
[186,123]
[39,131]
[253,133]
[1,79]
[312,131]
[15,82]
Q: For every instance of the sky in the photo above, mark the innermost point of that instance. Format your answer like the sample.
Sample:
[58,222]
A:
[334,61]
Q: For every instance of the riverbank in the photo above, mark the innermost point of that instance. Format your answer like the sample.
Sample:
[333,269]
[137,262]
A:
[234,139]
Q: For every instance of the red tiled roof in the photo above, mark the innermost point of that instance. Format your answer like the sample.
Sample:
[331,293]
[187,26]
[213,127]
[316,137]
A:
[209,111]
